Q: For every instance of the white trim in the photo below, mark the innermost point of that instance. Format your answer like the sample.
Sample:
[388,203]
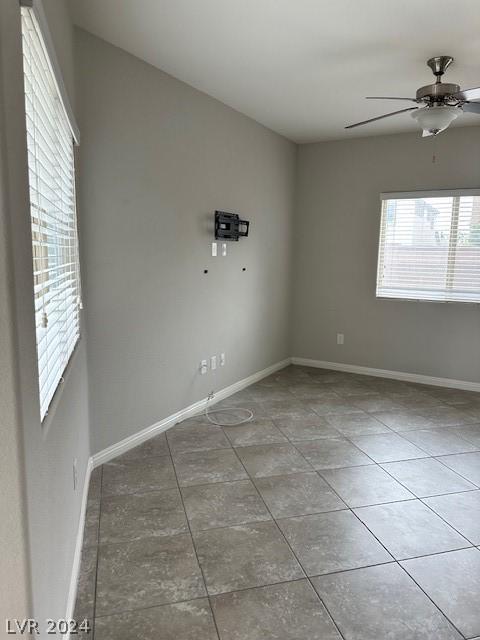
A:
[77,555]
[141,436]
[385,373]
[435,193]
[37,7]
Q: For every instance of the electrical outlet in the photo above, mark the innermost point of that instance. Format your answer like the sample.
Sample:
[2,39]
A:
[214,249]
[203,368]
[224,249]
[75,474]
[222,359]
[340,338]
[213,363]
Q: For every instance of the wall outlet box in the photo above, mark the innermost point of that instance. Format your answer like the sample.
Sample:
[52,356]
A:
[214,249]
[340,338]
[222,359]
[213,363]
[203,367]
[224,249]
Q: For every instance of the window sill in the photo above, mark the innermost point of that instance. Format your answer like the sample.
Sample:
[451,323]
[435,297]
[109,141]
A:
[412,298]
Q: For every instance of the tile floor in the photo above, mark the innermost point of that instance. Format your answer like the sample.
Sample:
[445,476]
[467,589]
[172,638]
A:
[348,509]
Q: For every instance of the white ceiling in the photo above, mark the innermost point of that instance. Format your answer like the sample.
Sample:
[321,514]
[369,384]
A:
[300,67]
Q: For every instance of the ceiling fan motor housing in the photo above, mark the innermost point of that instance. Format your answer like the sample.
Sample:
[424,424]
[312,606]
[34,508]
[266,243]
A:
[438,92]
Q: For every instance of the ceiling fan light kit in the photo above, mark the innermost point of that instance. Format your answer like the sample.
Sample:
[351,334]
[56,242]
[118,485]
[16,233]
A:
[441,102]
[433,120]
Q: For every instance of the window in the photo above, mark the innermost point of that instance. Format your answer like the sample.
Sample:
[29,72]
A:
[56,273]
[430,246]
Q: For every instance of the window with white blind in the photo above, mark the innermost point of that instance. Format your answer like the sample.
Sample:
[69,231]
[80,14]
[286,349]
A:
[430,246]
[56,274]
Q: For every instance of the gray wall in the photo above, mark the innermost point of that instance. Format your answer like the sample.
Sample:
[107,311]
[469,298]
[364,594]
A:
[337,218]
[53,507]
[14,582]
[157,158]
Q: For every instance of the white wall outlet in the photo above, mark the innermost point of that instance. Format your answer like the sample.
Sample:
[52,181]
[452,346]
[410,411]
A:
[203,368]
[214,249]
[75,474]
[213,363]
[340,338]
[222,359]
[224,249]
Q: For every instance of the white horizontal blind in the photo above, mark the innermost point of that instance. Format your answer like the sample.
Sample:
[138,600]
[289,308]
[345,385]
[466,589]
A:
[430,246]
[56,273]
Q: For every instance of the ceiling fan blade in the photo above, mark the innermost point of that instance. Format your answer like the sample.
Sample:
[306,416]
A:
[387,115]
[468,94]
[389,98]
[471,107]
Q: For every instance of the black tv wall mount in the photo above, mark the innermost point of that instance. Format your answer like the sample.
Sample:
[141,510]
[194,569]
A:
[228,226]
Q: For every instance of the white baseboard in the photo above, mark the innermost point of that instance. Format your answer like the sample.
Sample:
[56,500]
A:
[141,436]
[385,373]
[77,556]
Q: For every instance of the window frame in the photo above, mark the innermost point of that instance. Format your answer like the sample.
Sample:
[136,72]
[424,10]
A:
[409,296]
[36,14]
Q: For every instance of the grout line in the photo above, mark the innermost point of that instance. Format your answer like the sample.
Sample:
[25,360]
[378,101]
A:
[437,553]
[152,606]
[292,551]
[431,600]
[97,554]
[295,555]
[340,571]
[133,460]
[207,595]
[422,500]
[437,458]
[353,512]
[448,429]
[446,493]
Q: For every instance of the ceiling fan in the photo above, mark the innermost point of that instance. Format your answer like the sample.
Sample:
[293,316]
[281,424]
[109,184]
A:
[440,102]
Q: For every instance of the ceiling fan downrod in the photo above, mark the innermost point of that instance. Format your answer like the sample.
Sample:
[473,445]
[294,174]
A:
[439,64]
